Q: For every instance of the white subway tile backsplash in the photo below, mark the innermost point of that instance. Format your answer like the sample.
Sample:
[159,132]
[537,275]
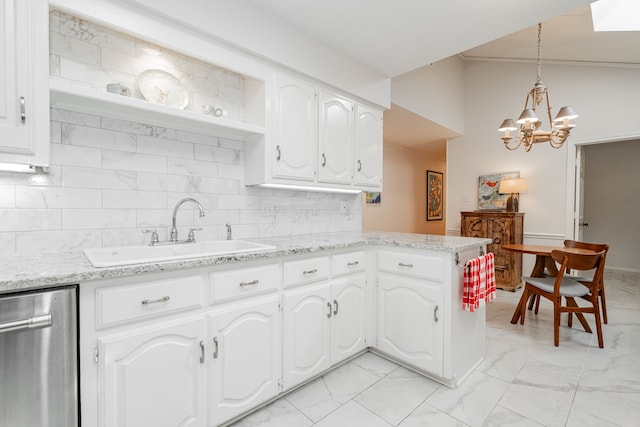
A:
[30,219]
[98,218]
[7,196]
[98,178]
[165,147]
[123,199]
[35,242]
[72,155]
[95,34]
[122,160]
[69,46]
[7,244]
[99,138]
[109,178]
[192,167]
[57,197]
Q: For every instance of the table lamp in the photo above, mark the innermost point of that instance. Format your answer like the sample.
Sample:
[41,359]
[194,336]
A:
[513,187]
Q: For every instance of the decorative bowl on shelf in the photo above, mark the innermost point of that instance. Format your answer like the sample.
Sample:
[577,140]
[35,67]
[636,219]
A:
[164,88]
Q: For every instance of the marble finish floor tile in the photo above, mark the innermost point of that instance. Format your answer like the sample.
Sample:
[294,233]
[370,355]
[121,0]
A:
[524,381]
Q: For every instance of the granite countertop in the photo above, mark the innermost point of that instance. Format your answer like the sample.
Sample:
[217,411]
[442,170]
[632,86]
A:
[23,272]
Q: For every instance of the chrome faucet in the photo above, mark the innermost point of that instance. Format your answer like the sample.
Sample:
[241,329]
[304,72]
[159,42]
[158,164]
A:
[174,230]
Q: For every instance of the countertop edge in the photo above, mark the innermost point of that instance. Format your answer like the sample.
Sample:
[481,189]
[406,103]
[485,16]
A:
[29,272]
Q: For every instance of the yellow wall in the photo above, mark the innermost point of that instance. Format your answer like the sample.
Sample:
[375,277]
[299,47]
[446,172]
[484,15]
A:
[403,206]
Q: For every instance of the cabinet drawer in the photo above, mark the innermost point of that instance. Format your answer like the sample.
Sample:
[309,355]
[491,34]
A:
[119,304]
[243,282]
[305,271]
[348,263]
[410,264]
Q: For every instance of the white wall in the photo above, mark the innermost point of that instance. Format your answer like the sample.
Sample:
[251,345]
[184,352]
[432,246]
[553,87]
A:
[435,92]
[606,99]
[612,200]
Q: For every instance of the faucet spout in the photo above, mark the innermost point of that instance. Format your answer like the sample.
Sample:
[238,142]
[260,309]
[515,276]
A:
[174,229]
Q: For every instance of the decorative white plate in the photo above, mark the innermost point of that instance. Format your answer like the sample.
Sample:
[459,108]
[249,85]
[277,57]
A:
[160,87]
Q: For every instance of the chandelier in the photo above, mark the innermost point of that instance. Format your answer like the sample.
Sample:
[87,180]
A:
[529,124]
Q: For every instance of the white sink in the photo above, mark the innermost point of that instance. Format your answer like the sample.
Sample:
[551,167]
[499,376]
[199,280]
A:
[127,255]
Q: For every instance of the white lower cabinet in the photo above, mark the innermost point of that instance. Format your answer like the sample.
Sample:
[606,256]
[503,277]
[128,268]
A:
[154,376]
[348,327]
[307,332]
[410,321]
[246,358]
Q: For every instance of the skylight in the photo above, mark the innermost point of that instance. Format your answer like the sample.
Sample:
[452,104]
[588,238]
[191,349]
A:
[616,15]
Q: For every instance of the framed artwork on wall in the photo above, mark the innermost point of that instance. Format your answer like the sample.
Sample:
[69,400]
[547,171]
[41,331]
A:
[488,197]
[373,196]
[435,190]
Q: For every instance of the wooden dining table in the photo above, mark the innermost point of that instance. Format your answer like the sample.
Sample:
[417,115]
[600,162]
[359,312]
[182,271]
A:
[544,261]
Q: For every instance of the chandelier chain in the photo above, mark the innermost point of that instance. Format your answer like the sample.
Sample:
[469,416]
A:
[539,50]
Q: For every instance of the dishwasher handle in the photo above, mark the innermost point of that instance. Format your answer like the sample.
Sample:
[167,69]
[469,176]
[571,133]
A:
[35,322]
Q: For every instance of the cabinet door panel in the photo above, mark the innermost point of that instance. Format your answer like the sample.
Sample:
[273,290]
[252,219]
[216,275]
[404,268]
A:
[307,333]
[410,321]
[368,147]
[24,77]
[295,137]
[247,348]
[335,140]
[154,377]
[348,317]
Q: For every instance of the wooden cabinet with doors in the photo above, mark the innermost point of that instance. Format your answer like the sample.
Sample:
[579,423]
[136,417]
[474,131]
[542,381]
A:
[502,228]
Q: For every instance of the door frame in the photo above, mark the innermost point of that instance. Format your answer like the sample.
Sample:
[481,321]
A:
[575,191]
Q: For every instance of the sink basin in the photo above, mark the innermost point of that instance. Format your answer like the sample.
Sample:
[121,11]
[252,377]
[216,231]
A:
[127,255]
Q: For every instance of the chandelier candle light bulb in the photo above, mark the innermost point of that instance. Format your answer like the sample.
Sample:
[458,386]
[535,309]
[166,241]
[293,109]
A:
[529,123]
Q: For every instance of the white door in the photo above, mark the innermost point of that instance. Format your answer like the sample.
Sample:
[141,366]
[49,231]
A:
[410,325]
[307,333]
[24,77]
[348,331]
[295,139]
[154,377]
[335,145]
[368,147]
[246,358]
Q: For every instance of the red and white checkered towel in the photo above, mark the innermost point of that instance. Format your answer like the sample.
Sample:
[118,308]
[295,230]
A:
[479,284]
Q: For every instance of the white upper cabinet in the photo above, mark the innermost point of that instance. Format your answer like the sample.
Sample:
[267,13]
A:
[368,147]
[24,103]
[295,134]
[335,144]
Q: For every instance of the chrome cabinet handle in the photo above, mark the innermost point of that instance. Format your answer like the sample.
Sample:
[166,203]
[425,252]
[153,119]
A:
[153,301]
[405,265]
[35,322]
[335,309]
[279,155]
[435,313]
[314,271]
[23,114]
[253,282]
[329,313]
[353,264]
[215,347]
[359,166]
[324,159]
[201,351]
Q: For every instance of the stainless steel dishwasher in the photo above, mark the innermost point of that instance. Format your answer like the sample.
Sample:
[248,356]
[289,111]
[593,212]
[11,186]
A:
[39,358]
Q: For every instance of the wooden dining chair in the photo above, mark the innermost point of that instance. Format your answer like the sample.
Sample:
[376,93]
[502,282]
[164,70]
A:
[596,247]
[563,286]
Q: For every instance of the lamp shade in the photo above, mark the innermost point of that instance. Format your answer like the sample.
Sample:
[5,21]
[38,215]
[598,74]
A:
[513,185]
[565,113]
[528,116]
[507,124]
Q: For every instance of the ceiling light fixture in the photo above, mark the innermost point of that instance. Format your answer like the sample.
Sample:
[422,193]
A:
[529,122]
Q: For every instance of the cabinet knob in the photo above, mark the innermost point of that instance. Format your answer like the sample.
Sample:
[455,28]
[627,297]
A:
[497,240]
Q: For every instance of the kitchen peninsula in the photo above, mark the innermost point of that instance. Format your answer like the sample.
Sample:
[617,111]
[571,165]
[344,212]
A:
[305,307]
